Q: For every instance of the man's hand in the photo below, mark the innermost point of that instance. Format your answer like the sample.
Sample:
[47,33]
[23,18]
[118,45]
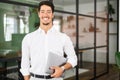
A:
[27,77]
[58,71]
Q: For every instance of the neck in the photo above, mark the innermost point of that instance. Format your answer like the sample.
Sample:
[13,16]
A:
[46,27]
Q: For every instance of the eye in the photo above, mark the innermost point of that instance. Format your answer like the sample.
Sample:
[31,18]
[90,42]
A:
[49,11]
[42,11]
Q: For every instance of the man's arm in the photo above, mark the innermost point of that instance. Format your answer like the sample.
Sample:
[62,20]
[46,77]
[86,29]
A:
[67,66]
[25,59]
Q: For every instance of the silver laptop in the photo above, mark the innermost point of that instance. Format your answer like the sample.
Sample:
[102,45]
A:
[54,60]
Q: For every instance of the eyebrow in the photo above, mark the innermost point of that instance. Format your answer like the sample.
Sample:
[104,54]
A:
[44,10]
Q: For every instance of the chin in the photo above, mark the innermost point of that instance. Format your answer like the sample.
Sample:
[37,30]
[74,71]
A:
[45,23]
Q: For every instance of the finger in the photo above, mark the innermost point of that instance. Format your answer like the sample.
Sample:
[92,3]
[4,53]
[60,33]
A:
[52,67]
[53,75]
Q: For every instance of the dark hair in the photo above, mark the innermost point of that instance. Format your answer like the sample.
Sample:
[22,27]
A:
[48,3]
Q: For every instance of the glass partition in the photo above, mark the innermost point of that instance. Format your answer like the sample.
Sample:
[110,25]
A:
[86,32]
[101,54]
[14,24]
[67,25]
[65,5]
[102,8]
[101,32]
[86,7]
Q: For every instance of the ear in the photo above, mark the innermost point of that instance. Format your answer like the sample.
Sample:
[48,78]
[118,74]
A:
[53,15]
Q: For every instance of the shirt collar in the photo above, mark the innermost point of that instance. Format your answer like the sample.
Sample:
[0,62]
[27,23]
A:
[52,29]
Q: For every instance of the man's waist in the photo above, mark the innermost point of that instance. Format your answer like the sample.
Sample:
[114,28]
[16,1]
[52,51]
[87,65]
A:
[41,76]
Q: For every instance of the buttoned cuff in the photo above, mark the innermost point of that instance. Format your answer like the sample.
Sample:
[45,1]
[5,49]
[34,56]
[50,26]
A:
[25,72]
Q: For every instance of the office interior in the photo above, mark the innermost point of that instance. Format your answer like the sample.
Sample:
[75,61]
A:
[92,26]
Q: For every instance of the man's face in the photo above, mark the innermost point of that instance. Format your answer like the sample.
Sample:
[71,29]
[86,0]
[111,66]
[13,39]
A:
[45,14]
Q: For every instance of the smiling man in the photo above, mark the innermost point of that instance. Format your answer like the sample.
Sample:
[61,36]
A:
[37,45]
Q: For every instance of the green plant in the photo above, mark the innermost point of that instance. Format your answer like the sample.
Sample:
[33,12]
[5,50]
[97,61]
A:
[111,11]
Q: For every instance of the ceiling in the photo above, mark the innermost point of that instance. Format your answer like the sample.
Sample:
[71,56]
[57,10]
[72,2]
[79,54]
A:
[57,2]
[67,2]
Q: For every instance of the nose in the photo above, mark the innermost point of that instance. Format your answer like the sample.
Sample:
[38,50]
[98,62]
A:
[46,13]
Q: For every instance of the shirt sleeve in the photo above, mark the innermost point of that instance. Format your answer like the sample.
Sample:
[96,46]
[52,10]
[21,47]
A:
[70,52]
[25,60]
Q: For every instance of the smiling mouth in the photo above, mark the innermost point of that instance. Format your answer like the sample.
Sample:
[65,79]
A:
[45,21]
[45,18]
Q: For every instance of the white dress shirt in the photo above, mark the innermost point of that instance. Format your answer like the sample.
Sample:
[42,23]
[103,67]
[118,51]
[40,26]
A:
[37,45]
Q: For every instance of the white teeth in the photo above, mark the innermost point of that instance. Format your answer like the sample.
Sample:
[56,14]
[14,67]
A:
[45,18]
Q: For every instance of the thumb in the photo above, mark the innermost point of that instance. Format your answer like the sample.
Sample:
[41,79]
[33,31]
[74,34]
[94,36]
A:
[52,67]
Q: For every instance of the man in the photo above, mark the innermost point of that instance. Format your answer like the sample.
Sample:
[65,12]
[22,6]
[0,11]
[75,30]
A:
[37,45]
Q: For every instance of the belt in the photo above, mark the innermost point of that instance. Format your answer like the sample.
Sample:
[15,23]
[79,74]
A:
[41,76]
